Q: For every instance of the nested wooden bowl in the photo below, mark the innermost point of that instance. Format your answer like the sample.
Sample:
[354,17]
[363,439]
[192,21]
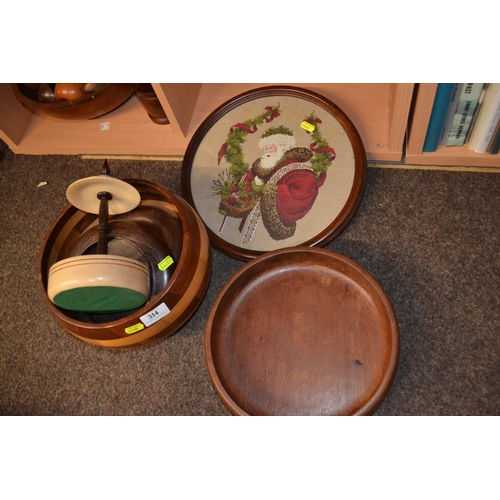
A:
[164,232]
[92,105]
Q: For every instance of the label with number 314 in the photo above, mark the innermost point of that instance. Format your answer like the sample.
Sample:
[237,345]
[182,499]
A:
[155,315]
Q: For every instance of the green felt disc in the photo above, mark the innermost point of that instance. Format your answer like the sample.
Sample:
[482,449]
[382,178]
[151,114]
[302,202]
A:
[99,299]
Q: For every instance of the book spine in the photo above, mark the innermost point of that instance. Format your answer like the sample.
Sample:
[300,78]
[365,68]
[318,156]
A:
[450,113]
[468,100]
[494,145]
[438,114]
[476,113]
[491,119]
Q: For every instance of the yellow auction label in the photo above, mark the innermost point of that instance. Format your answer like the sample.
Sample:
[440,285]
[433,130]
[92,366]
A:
[134,328]
[166,262]
[307,126]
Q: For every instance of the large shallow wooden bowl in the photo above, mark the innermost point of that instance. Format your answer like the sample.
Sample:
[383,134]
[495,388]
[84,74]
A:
[172,224]
[92,105]
[302,331]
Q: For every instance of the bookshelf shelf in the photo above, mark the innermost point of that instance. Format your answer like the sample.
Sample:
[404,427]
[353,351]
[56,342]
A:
[379,112]
[451,156]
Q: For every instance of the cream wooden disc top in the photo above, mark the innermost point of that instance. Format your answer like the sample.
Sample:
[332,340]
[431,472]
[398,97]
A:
[83,194]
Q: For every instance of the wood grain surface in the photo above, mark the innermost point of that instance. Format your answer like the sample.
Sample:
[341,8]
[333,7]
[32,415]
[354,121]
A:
[302,331]
[166,217]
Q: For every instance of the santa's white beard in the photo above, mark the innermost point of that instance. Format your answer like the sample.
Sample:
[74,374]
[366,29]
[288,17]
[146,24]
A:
[269,161]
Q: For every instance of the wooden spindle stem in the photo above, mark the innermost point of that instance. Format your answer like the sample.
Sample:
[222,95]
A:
[102,239]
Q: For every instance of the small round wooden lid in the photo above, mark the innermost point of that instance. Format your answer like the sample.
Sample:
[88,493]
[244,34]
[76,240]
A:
[302,331]
[83,194]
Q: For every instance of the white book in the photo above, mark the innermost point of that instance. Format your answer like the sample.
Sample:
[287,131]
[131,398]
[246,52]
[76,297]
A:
[487,120]
[467,103]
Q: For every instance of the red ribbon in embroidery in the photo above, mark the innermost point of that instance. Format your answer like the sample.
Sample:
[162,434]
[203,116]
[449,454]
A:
[244,127]
[323,149]
[311,121]
[222,151]
[274,114]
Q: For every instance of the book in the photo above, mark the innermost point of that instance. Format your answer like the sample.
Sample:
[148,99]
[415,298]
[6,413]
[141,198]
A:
[494,145]
[487,120]
[450,113]
[476,113]
[467,103]
[438,115]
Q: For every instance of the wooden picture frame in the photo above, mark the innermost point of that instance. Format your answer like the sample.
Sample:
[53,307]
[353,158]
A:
[250,201]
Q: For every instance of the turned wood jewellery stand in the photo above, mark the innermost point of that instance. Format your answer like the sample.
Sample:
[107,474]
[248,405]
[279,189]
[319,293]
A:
[100,283]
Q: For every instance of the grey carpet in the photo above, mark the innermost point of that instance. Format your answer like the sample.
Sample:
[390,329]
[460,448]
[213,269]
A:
[430,238]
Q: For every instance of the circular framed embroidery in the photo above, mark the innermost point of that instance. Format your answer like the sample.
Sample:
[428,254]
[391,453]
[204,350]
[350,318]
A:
[275,167]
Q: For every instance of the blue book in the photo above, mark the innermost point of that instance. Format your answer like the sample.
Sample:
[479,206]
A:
[494,147]
[438,114]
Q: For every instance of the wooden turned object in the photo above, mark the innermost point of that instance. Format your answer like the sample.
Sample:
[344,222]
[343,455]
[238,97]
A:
[176,234]
[82,195]
[149,100]
[302,331]
[101,100]
[100,283]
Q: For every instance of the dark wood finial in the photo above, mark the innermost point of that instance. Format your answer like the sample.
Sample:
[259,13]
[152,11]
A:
[105,168]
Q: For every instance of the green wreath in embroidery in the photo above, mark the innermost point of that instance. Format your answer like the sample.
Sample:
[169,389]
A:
[237,197]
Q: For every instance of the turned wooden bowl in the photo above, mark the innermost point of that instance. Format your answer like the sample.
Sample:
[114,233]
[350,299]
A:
[302,331]
[167,234]
[92,105]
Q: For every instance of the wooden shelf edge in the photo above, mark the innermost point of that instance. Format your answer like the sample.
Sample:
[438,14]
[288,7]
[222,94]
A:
[421,116]
[384,156]
[447,168]
[179,102]
[399,111]
[465,159]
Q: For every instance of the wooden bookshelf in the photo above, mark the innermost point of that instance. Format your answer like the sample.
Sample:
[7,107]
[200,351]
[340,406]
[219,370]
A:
[452,156]
[379,111]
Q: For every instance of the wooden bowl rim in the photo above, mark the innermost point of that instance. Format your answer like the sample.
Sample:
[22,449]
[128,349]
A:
[60,104]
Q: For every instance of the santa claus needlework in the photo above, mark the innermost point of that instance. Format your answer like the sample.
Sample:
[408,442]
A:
[274,172]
